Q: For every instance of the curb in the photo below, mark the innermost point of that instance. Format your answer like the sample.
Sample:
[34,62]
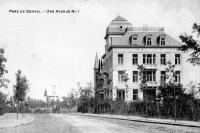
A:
[25,123]
[144,121]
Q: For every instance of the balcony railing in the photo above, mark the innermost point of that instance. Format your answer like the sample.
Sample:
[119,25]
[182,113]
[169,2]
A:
[152,83]
[150,65]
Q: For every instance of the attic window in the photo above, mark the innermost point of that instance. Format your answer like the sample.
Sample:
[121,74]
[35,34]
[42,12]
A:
[147,40]
[161,40]
[134,39]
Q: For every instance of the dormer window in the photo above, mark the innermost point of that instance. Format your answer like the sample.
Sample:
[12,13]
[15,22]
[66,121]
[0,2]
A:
[161,40]
[134,39]
[147,40]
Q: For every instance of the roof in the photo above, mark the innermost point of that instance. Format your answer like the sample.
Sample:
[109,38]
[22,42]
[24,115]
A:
[117,26]
[119,18]
[125,39]
[119,21]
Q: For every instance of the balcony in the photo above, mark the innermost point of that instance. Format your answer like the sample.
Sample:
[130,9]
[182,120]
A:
[150,66]
[152,83]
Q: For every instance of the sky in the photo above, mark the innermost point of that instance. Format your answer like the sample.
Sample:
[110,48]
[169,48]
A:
[56,51]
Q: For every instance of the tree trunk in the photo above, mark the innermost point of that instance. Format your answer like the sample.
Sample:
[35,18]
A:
[17,109]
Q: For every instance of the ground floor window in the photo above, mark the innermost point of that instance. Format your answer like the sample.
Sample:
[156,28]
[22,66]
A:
[120,95]
[135,94]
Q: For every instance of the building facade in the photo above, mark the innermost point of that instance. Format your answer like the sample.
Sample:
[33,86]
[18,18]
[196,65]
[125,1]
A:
[116,73]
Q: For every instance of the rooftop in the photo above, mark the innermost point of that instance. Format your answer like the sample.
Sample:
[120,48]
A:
[119,18]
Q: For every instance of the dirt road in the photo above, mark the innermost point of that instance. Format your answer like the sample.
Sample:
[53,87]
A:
[70,123]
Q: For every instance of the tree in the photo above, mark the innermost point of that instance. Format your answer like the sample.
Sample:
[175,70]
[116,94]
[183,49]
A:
[20,89]
[2,102]
[172,94]
[192,45]
[142,76]
[3,80]
[86,100]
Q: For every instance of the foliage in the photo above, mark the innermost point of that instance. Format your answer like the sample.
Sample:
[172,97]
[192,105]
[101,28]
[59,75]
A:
[86,99]
[70,102]
[189,43]
[3,80]
[194,89]
[21,87]
[170,72]
[20,90]
[35,103]
[2,102]
[142,77]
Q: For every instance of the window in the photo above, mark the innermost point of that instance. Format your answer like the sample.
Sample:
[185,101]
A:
[120,76]
[135,59]
[154,59]
[135,94]
[162,59]
[135,76]
[162,76]
[134,38]
[149,59]
[120,95]
[120,59]
[148,41]
[162,41]
[177,59]
[150,75]
[144,58]
[177,77]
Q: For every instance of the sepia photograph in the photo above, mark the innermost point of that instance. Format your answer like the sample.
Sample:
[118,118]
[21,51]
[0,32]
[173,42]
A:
[100,66]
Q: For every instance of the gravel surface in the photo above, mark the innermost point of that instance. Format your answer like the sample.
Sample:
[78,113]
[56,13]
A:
[10,119]
[68,123]
[151,128]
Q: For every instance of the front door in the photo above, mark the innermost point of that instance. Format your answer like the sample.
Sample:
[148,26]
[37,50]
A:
[149,95]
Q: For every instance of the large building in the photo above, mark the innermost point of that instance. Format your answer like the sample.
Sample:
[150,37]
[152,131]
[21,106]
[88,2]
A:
[116,73]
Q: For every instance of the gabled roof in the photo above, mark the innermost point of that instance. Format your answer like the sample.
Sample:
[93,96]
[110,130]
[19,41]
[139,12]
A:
[119,21]
[119,18]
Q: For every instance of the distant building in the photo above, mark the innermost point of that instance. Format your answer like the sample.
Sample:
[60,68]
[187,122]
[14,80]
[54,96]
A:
[126,47]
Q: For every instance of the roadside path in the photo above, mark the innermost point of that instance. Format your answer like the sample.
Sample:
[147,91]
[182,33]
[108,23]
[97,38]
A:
[10,120]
